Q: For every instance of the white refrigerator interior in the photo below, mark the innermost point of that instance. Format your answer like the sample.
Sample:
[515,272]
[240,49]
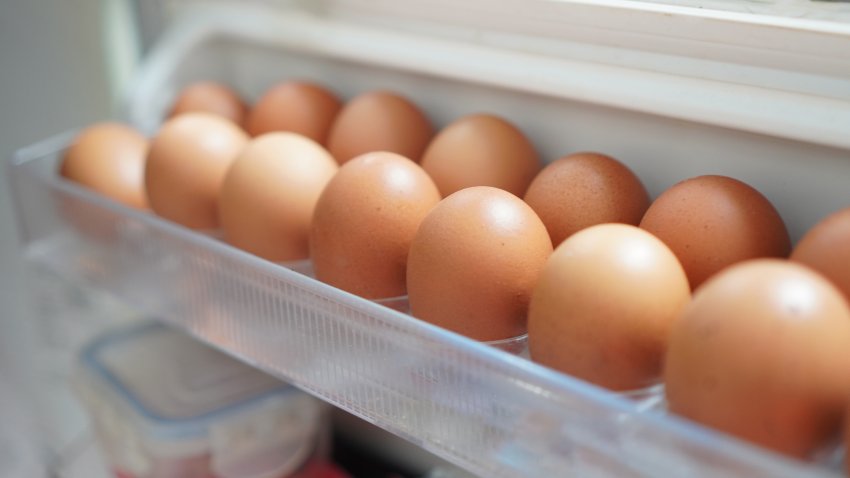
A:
[54,77]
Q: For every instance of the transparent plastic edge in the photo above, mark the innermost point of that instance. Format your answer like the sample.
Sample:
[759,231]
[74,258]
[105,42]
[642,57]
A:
[770,14]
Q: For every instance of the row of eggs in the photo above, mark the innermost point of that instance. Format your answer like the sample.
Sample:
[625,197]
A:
[383,208]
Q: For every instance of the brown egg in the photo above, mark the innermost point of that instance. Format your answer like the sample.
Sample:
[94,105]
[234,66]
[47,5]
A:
[474,262]
[210,97]
[299,107]
[364,223]
[481,150]
[604,306]
[761,353]
[186,164]
[270,192]
[711,222]
[379,121]
[826,249]
[110,159]
[585,189]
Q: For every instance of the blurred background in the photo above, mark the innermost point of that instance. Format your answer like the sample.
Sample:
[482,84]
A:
[62,65]
[56,73]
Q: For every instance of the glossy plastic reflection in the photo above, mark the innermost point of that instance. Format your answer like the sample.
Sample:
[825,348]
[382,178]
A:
[515,345]
[303,266]
[399,303]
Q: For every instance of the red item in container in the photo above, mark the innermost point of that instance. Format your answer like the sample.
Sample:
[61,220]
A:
[319,469]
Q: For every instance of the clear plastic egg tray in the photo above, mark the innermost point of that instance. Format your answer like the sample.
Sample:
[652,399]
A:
[493,413]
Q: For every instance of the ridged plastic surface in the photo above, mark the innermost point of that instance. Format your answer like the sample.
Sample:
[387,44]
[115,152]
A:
[495,414]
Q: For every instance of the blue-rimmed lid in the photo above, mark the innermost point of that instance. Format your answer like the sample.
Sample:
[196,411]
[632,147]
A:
[176,384]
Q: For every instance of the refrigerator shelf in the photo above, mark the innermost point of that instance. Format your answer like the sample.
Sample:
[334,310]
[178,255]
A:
[491,412]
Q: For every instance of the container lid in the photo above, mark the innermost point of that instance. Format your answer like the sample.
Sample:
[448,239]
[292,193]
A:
[170,380]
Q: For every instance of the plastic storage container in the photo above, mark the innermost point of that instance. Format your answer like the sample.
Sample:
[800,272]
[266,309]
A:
[165,405]
[671,93]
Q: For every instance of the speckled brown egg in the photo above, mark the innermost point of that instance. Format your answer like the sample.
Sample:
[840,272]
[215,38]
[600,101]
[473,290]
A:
[474,262]
[296,106]
[585,189]
[186,165]
[210,97]
[605,304]
[269,194]
[761,353]
[379,121]
[110,159]
[481,150]
[826,249]
[711,222]
[364,223]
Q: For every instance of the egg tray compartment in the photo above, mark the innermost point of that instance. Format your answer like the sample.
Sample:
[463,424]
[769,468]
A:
[492,413]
